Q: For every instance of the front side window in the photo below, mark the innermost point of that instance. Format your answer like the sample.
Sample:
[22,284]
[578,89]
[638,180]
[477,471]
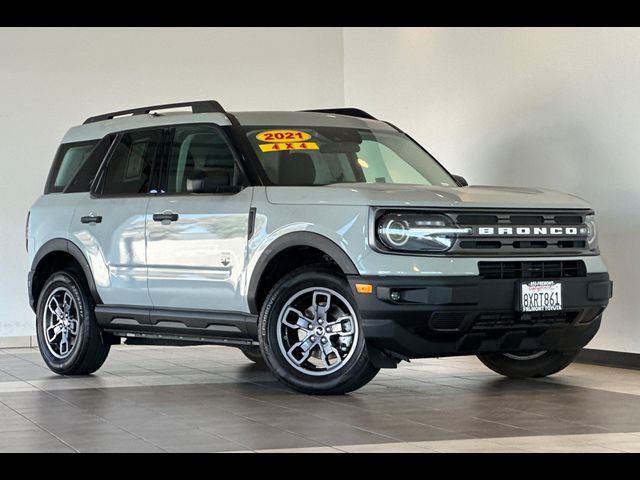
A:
[326,155]
[69,159]
[130,166]
[200,160]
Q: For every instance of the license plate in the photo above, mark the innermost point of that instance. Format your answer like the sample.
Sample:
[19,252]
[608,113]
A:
[540,296]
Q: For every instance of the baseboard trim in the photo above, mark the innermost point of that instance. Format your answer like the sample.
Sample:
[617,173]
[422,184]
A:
[609,358]
[18,342]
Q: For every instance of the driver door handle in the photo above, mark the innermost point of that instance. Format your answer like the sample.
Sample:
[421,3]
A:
[91,219]
[165,217]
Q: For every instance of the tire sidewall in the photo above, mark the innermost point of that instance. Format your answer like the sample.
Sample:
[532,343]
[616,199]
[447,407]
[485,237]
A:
[70,282]
[268,328]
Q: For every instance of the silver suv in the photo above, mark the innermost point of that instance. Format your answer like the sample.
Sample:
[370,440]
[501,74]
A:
[326,244]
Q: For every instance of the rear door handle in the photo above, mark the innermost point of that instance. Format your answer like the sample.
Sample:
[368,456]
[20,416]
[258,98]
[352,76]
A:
[91,219]
[165,217]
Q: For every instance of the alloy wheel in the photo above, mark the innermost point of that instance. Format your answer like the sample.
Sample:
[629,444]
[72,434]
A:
[317,331]
[61,323]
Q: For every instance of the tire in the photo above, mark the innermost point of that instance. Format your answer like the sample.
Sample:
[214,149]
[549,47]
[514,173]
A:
[528,365]
[253,353]
[82,353]
[346,366]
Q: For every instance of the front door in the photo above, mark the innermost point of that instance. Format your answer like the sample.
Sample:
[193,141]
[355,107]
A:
[197,224]
[109,224]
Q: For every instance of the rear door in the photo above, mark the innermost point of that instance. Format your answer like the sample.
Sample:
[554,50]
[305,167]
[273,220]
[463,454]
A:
[110,224]
[197,224]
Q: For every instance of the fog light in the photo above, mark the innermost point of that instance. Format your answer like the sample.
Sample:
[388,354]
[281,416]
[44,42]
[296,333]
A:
[395,296]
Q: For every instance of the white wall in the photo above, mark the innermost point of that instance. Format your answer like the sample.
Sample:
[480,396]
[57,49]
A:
[558,108]
[51,79]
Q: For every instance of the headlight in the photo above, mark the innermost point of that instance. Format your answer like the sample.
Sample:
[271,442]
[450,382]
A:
[418,232]
[592,232]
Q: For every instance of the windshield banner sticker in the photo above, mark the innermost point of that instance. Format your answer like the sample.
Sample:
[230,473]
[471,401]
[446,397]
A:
[283,135]
[277,147]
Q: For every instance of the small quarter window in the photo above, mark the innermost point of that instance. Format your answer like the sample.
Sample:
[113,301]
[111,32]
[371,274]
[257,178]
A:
[69,160]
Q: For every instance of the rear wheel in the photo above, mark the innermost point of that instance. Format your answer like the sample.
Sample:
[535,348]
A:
[540,363]
[310,334]
[68,335]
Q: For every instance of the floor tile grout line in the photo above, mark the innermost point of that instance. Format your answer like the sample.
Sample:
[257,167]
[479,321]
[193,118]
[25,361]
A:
[180,365]
[400,418]
[278,427]
[161,413]
[302,411]
[150,442]
[253,420]
[230,412]
[433,448]
[563,420]
[41,427]
[88,386]
[299,434]
[244,418]
[355,426]
[104,420]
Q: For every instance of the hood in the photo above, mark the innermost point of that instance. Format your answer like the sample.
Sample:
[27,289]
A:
[389,195]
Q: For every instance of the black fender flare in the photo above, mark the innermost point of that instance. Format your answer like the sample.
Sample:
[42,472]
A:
[296,239]
[66,246]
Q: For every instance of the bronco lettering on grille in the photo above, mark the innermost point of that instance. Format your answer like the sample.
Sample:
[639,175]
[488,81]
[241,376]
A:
[528,231]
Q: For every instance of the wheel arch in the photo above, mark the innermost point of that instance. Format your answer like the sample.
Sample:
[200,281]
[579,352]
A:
[289,243]
[52,253]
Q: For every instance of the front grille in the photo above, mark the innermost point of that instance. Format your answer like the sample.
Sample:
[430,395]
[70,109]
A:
[551,232]
[532,270]
[488,321]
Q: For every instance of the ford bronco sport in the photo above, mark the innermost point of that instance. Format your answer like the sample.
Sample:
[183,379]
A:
[326,243]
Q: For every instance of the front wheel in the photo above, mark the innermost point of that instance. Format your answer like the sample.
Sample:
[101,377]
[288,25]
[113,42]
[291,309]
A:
[310,334]
[533,364]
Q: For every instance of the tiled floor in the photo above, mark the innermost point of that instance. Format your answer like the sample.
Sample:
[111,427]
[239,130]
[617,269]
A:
[212,399]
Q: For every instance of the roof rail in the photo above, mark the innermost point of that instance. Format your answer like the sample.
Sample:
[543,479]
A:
[351,112]
[202,106]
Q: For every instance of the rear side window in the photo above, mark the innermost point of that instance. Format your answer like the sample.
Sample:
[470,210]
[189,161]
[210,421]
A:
[83,180]
[69,160]
[130,165]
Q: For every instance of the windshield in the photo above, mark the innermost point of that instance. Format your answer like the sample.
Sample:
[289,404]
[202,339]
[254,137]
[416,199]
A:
[326,155]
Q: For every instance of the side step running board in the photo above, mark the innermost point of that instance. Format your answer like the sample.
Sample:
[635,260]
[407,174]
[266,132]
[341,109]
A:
[181,339]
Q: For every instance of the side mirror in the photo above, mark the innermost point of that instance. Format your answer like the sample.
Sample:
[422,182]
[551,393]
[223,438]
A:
[460,180]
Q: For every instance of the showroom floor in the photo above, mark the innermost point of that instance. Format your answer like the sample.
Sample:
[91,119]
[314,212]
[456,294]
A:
[211,399]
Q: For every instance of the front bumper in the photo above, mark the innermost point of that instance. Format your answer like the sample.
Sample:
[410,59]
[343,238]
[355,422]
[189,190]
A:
[466,315]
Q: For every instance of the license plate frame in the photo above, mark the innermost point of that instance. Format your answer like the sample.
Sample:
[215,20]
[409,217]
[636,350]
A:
[532,299]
